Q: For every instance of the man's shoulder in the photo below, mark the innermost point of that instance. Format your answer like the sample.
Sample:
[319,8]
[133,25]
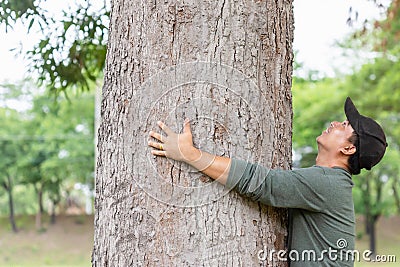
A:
[310,170]
[320,170]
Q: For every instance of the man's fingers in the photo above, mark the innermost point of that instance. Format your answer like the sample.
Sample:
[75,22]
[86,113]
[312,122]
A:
[160,153]
[165,128]
[156,145]
[157,136]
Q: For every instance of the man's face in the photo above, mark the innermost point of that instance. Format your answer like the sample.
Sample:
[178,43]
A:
[336,136]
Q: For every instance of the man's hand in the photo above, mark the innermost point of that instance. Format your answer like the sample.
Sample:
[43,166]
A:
[180,147]
[175,146]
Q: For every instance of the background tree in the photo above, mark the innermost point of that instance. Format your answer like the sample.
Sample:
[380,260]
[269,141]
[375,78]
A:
[151,211]
[47,145]
[62,148]
[10,151]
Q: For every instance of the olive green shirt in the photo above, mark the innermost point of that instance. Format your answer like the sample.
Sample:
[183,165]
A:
[321,215]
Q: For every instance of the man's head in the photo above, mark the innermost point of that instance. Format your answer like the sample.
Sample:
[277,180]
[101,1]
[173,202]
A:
[358,142]
[337,142]
[371,140]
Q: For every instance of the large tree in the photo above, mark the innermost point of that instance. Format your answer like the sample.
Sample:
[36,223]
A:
[226,65]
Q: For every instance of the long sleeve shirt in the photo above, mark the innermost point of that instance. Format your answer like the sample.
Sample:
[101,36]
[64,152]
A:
[321,222]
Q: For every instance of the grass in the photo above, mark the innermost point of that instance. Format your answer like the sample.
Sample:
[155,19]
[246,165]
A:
[69,242]
[66,243]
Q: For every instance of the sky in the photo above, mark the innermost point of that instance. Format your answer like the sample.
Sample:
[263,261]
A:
[318,23]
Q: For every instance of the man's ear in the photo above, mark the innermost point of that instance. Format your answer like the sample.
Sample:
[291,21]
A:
[348,150]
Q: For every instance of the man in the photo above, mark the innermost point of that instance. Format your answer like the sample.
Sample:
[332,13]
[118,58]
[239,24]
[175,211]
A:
[321,217]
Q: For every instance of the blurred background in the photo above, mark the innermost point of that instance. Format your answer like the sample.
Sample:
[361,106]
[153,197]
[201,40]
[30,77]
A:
[52,58]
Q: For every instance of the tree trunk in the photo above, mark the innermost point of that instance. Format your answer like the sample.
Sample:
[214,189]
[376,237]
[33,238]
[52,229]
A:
[372,234]
[366,198]
[40,199]
[40,208]
[367,224]
[227,66]
[53,211]
[375,215]
[396,197]
[9,190]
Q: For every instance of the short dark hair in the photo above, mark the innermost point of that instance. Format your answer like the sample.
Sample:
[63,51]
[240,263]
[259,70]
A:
[353,162]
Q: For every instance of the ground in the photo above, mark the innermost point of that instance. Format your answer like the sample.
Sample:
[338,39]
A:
[388,243]
[69,242]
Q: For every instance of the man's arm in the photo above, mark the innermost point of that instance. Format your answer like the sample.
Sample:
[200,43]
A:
[180,147]
[279,188]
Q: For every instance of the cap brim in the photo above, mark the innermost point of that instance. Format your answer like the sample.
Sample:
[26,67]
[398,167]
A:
[352,114]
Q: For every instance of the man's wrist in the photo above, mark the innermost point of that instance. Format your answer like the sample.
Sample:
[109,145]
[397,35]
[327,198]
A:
[193,155]
[200,160]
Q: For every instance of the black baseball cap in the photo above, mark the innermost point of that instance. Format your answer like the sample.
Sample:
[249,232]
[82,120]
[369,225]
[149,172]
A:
[371,144]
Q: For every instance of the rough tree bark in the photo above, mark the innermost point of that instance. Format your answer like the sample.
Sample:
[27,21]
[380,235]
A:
[227,66]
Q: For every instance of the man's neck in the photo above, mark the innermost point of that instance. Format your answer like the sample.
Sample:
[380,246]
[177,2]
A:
[326,160]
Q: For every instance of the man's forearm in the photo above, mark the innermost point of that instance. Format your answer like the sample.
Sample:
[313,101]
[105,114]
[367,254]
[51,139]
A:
[211,165]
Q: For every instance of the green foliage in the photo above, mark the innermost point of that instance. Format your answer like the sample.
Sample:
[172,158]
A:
[49,146]
[374,87]
[324,104]
[72,51]
[315,105]
[24,200]
[11,150]
[11,11]
[377,83]
[318,103]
